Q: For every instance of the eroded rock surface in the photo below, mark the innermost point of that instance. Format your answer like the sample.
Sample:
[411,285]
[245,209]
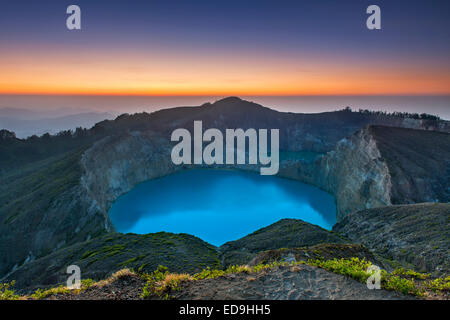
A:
[301,282]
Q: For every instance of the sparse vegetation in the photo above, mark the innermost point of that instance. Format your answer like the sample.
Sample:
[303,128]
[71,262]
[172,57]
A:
[410,273]
[108,253]
[354,267]
[121,274]
[162,283]
[400,280]
[419,245]
[439,285]
[42,294]
[85,284]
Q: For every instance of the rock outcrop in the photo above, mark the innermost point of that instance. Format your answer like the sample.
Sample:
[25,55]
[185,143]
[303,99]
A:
[354,172]
[115,164]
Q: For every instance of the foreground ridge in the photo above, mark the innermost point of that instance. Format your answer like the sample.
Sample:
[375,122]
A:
[312,279]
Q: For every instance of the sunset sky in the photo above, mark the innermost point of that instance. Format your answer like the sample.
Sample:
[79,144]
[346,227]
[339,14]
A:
[219,47]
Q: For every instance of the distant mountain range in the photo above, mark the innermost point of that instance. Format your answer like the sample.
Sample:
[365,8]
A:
[26,122]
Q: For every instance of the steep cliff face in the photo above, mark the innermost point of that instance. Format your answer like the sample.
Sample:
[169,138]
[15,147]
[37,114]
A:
[354,173]
[115,164]
[379,166]
[374,167]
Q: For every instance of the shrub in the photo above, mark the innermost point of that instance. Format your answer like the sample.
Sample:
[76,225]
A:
[410,273]
[6,291]
[438,285]
[353,267]
[161,283]
[42,294]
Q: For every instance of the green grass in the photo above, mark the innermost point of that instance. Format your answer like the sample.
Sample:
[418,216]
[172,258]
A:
[354,267]
[42,294]
[108,250]
[130,261]
[439,285]
[400,280]
[410,273]
[35,192]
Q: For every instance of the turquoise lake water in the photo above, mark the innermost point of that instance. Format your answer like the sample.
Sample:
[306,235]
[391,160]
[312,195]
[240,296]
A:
[219,205]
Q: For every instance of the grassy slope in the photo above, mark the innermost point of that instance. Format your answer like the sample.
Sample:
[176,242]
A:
[419,163]
[180,253]
[36,185]
[417,234]
[99,257]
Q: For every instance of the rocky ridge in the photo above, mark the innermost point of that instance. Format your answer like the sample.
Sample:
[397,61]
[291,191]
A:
[286,233]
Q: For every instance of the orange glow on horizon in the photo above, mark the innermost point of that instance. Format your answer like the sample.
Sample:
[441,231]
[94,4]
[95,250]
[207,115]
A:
[215,93]
[136,73]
